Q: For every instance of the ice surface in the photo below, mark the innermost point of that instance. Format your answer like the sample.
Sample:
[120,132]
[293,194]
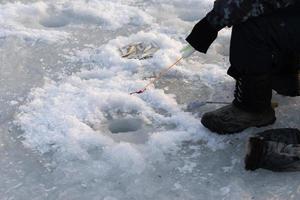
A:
[70,130]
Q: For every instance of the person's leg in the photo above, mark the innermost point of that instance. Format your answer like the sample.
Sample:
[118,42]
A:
[255,45]
[269,44]
[286,75]
[286,70]
[264,47]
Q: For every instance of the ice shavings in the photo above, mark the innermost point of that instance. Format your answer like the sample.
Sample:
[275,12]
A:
[60,116]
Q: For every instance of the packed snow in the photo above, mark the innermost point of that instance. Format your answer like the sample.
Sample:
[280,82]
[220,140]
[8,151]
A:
[71,130]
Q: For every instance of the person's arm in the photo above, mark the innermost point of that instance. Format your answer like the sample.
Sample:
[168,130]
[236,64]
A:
[228,13]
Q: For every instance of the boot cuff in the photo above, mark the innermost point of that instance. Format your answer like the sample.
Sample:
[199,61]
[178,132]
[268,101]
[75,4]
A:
[254,154]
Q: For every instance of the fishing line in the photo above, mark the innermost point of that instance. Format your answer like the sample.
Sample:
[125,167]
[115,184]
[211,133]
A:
[163,72]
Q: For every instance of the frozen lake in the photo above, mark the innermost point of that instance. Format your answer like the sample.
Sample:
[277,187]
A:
[70,130]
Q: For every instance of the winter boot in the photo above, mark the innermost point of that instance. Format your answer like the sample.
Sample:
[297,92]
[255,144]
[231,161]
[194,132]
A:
[275,150]
[250,108]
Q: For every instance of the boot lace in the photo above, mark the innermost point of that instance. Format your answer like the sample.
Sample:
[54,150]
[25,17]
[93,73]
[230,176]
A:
[238,93]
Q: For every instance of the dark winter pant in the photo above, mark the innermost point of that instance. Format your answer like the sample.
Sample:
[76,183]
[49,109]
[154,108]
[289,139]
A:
[268,45]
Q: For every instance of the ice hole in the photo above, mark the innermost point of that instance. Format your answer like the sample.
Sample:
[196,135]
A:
[125,125]
[54,22]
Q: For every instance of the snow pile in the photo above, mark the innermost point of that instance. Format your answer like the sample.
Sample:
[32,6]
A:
[106,14]
[108,56]
[21,20]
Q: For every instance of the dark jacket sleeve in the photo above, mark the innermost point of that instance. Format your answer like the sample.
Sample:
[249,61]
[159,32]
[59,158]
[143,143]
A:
[202,36]
[228,13]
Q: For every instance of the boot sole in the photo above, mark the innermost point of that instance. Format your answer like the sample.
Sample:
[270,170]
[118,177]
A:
[266,124]
[221,132]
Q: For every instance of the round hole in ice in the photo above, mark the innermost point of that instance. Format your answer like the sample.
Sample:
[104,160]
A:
[54,22]
[125,125]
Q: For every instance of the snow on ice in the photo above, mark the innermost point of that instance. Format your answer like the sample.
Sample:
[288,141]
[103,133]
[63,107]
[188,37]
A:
[71,130]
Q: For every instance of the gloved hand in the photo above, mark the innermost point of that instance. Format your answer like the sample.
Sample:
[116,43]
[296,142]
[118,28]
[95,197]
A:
[187,51]
[202,36]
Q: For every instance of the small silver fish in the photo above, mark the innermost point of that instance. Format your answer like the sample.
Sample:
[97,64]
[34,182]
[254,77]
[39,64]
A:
[139,50]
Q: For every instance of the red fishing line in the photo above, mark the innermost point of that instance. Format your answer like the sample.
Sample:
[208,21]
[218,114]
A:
[163,72]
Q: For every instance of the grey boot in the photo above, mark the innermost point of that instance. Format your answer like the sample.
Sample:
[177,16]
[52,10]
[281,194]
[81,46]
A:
[275,150]
[250,108]
[231,119]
